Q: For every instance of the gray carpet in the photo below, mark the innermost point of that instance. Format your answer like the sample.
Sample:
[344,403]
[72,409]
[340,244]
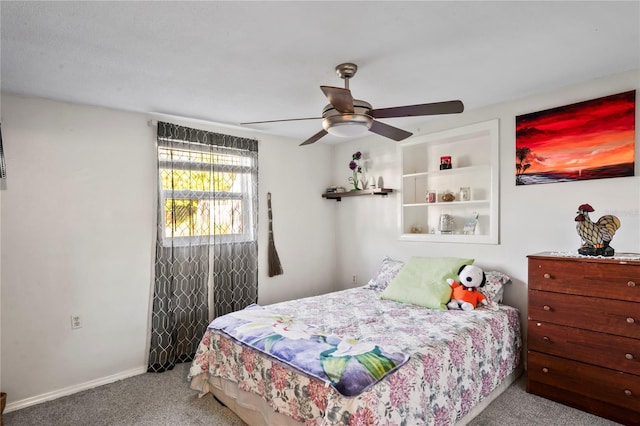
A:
[166,399]
[148,399]
[515,407]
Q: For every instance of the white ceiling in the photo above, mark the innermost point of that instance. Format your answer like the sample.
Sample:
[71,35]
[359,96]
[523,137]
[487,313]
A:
[231,62]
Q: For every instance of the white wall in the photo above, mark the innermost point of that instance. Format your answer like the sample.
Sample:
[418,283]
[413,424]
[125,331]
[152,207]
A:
[77,238]
[75,241]
[532,218]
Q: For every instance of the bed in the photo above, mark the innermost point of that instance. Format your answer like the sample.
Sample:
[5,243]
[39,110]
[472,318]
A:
[456,362]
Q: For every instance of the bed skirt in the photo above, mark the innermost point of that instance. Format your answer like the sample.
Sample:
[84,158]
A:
[255,411]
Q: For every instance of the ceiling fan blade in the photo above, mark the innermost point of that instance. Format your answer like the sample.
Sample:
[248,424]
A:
[314,138]
[448,107]
[389,131]
[340,98]
[286,119]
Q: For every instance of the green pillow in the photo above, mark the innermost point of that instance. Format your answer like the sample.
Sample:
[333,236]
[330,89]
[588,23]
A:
[423,281]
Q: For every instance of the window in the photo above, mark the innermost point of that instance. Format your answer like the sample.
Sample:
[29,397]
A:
[206,193]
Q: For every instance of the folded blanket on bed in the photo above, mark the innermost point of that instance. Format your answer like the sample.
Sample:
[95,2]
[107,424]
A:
[351,367]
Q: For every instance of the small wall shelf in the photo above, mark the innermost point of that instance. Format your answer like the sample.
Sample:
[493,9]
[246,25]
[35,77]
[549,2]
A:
[375,191]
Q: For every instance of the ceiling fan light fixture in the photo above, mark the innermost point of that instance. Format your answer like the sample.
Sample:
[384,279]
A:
[347,125]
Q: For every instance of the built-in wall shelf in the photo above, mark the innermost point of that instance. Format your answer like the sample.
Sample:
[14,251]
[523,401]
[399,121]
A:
[374,191]
[469,213]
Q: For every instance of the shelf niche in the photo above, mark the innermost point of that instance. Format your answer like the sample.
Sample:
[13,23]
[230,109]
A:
[474,151]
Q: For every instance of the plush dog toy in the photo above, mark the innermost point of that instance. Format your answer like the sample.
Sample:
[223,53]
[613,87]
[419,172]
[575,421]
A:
[465,294]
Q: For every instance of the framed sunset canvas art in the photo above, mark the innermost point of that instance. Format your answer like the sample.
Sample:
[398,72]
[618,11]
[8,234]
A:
[593,139]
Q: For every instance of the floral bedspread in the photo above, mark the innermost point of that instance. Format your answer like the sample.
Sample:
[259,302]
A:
[456,359]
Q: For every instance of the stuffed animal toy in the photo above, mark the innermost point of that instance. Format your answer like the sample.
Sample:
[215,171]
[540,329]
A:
[465,294]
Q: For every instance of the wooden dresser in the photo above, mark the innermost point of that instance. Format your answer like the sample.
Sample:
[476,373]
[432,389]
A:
[583,331]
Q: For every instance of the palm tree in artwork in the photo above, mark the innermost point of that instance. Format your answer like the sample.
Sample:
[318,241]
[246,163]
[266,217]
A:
[521,166]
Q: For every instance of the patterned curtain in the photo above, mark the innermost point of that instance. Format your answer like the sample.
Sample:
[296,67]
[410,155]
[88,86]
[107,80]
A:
[206,250]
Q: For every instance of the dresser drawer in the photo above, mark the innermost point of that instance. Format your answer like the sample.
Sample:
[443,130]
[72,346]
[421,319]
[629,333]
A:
[590,313]
[615,388]
[588,278]
[606,350]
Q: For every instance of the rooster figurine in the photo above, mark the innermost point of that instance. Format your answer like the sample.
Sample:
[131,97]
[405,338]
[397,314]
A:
[596,236]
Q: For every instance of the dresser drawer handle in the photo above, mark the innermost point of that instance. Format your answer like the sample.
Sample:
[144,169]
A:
[631,284]
[628,356]
[547,276]
[545,370]
[630,320]
[548,308]
[546,339]
[628,392]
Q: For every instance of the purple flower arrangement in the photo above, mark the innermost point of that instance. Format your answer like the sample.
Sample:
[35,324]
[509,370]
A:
[356,168]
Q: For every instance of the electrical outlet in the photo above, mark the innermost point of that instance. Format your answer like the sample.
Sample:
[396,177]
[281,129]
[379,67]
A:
[76,322]
[354,279]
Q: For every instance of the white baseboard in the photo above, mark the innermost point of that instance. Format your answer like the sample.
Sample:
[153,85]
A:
[49,396]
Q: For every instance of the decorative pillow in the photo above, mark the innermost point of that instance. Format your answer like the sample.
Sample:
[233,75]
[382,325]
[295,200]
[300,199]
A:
[423,281]
[388,271]
[494,286]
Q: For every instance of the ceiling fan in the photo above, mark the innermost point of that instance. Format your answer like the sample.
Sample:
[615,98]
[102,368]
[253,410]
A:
[348,117]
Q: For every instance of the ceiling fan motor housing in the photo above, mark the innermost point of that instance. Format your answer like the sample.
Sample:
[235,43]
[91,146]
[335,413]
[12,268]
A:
[332,118]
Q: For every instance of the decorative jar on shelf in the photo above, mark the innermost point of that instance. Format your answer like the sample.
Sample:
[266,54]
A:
[448,196]
[446,224]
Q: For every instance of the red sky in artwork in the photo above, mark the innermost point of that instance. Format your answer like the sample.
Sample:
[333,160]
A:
[589,134]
